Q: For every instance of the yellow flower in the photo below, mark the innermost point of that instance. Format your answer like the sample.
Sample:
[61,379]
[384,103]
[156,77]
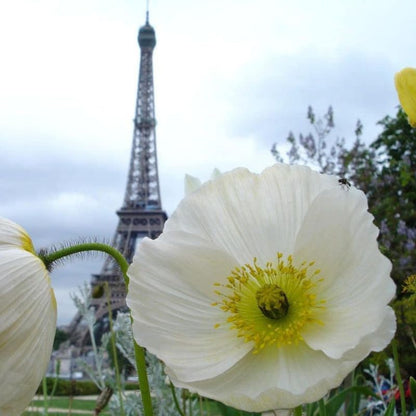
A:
[405,82]
[264,291]
[27,319]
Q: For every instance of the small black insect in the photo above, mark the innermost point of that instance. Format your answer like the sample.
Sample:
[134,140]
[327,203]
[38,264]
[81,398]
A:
[344,183]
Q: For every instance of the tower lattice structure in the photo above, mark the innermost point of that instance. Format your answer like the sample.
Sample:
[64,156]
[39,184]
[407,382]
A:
[141,214]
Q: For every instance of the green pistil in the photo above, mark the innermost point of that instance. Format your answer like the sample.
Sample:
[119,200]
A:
[272,301]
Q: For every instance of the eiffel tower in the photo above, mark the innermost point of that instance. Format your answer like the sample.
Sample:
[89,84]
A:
[141,214]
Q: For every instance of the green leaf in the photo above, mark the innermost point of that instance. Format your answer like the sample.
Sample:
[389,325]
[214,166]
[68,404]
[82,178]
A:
[231,411]
[412,382]
[311,408]
[335,402]
[390,408]
[297,411]
[322,408]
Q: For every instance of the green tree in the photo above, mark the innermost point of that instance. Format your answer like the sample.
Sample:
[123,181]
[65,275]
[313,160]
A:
[392,196]
[60,337]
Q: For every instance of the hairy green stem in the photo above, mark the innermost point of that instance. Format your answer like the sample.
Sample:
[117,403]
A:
[399,376]
[49,258]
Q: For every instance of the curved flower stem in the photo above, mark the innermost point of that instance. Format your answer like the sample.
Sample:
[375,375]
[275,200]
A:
[49,258]
[143,382]
[175,399]
[398,376]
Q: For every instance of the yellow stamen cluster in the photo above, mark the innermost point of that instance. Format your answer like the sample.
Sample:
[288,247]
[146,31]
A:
[249,283]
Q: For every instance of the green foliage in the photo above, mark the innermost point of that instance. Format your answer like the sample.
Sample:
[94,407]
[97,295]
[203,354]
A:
[346,399]
[393,195]
[70,387]
[125,367]
[412,382]
[131,386]
[349,396]
[406,321]
[390,408]
[60,337]
[230,411]
[64,403]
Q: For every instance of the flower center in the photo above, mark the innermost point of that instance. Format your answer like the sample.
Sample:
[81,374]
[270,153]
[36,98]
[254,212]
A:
[271,305]
[272,301]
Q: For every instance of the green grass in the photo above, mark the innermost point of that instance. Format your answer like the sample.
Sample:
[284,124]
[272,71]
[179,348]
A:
[64,403]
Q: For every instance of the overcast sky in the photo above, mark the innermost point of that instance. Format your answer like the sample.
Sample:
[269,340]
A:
[231,78]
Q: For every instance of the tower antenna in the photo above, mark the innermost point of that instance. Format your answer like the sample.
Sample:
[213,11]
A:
[147,12]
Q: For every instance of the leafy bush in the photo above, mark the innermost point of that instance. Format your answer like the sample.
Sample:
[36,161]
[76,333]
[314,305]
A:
[70,387]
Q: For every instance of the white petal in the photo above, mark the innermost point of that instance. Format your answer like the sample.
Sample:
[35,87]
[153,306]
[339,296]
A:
[356,284]
[274,379]
[170,296]
[250,215]
[376,340]
[27,322]
[11,234]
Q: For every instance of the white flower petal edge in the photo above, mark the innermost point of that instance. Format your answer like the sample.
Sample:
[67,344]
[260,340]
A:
[225,224]
[356,276]
[27,319]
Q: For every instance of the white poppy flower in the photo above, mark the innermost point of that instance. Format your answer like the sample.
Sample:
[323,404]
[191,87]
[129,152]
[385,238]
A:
[264,291]
[27,319]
